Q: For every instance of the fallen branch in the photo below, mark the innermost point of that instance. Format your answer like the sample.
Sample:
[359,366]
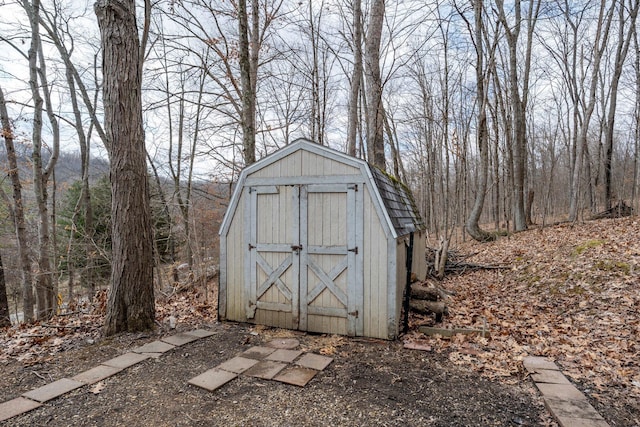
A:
[618,211]
[427,330]
[440,263]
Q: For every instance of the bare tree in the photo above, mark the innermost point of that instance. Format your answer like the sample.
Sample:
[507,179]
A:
[472,225]
[248,84]
[375,110]
[45,296]
[16,210]
[5,318]
[519,100]
[356,79]
[131,301]
[605,17]
[626,23]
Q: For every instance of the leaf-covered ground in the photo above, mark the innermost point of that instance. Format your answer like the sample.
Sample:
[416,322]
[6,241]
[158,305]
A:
[568,292]
[571,293]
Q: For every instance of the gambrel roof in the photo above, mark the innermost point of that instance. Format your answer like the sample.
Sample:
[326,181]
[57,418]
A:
[395,202]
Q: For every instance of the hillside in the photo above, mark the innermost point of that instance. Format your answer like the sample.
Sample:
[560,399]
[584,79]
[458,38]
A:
[568,292]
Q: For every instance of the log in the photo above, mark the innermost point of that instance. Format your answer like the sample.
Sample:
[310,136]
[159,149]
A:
[438,308]
[429,293]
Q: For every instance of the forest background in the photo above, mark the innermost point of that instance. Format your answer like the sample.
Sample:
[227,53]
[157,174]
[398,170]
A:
[498,115]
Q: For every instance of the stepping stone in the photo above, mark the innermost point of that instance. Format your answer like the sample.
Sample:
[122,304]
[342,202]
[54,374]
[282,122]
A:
[237,365]
[200,333]
[154,347]
[549,376]
[212,379]
[126,360]
[258,352]
[16,406]
[96,374]
[266,369]
[179,339]
[296,375]
[286,343]
[560,391]
[580,409]
[533,363]
[581,422]
[284,355]
[314,361]
[52,390]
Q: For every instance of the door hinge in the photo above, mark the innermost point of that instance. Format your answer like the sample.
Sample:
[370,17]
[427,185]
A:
[352,187]
[353,250]
[251,246]
[353,313]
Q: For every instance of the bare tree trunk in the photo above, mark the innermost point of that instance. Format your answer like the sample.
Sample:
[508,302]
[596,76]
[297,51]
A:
[624,40]
[472,225]
[636,151]
[43,279]
[131,301]
[356,79]
[46,301]
[248,87]
[602,34]
[16,210]
[85,195]
[375,112]
[518,101]
[5,318]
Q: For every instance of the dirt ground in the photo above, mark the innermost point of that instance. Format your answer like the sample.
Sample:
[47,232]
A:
[567,292]
[370,382]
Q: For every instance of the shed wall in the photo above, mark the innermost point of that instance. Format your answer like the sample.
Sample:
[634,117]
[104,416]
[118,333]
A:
[235,264]
[375,272]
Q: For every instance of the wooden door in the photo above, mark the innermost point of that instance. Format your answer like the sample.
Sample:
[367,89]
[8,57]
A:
[305,257]
[272,284]
[330,262]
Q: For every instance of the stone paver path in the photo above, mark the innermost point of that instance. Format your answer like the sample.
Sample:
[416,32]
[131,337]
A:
[33,399]
[273,361]
[565,402]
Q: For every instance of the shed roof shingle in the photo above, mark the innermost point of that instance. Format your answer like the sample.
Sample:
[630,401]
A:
[399,202]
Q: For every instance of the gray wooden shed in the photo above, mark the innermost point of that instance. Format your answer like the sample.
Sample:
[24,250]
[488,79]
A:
[315,240]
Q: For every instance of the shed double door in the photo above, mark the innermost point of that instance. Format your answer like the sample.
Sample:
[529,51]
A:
[305,257]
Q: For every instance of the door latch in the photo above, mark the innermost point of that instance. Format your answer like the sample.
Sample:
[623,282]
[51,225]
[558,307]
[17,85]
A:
[296,248]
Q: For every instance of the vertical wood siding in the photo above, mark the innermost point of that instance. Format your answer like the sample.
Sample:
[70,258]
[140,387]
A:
[235,263]
[375,272]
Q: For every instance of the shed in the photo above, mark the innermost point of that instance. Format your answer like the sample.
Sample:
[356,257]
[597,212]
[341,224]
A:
[315,240]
